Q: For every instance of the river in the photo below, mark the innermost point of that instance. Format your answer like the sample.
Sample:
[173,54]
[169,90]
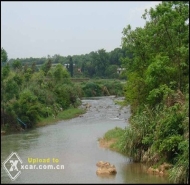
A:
[74,144]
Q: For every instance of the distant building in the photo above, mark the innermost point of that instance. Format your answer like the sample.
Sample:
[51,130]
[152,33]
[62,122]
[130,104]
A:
[119,70]
[52,65]
[79,70]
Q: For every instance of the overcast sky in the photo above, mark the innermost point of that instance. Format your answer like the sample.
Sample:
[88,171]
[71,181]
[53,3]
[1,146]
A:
[37,29]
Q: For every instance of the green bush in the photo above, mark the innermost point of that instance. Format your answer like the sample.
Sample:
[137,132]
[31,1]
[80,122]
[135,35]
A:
[91,89]
[102,88]
[28,109]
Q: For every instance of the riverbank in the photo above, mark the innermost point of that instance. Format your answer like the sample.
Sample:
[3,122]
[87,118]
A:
[74,143]
[63,115]
[112,139]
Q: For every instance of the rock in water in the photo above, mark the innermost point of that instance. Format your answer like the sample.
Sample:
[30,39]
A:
[105,168]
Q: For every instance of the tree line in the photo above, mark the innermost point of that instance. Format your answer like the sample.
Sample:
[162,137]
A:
[31,95]
[96,64]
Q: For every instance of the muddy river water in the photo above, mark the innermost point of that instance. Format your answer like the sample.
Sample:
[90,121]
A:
[74,144]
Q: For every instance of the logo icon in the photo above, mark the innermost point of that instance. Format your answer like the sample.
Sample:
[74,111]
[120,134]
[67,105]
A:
[12,165]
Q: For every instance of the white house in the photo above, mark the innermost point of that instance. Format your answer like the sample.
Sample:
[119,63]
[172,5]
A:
[119,70]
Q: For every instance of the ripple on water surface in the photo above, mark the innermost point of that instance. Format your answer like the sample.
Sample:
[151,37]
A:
[74,143]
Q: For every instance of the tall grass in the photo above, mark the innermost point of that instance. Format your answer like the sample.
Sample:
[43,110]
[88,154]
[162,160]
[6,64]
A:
[64,115]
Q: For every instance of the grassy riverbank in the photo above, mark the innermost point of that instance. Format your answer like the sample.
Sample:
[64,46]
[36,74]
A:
[111,139]
[122,103]
[64,115]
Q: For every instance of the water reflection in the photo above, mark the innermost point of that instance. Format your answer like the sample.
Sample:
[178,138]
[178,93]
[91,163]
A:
[19,141]
[138,171]
[74,143]
[105,176]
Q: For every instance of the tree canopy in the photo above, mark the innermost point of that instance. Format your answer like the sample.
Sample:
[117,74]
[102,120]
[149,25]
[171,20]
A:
[158,87]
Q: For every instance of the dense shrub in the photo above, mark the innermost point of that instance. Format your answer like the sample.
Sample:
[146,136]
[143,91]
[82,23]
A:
[102,88]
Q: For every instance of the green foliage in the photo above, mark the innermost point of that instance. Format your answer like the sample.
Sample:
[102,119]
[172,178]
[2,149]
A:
[170,143]
[135,90]
[17,65]
[159,95]
[114,87]
[18,79]
[4,56]
[5,72]
[102,88]
[111,71]
[60,73]
[78,89]
[63,98]
[113,133]
[99,63]
[46,66]
[27,108]
[11,90]
[91,89]
[27,74]
[38,78]
[139,136]
[122,103]
[156,88]
[70,66]
[32,96]
[180,172]
[65,114]
[159,72]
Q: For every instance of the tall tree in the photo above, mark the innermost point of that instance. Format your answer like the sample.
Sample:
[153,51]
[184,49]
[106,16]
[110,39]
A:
[17,65]
[5,69]
[46,66]
[33,67]
[157,86]
[160,50]
[4,56]
[71,66]
[100,61]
